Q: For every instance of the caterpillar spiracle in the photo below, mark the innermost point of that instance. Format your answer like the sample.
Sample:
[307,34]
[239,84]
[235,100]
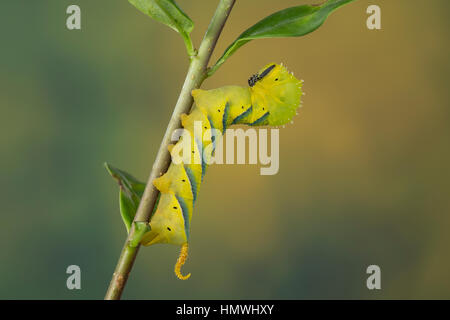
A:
[272,99]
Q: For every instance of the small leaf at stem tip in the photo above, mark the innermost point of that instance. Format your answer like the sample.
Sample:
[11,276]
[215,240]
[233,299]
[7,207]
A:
[291,22]
[127,209]
[140,228]
[130,194]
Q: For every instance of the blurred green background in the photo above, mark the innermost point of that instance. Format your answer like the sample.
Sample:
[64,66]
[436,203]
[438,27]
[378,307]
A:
[364,170]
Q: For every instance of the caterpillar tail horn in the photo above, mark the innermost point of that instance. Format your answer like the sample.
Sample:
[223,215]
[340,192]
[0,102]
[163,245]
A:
[180,262]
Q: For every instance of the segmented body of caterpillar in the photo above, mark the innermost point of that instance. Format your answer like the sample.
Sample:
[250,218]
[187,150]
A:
[272,99]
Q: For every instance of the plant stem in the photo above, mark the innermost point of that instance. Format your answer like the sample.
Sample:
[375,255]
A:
[194,78]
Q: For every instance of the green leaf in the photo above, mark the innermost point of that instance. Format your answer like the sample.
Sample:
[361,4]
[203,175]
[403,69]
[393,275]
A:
[130,194]
[291,22]
[128,208]
[168,13]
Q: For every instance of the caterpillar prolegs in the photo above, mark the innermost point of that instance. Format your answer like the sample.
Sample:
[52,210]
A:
[272,98]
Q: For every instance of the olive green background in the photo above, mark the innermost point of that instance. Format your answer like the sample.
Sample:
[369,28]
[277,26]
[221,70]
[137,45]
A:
[364,170]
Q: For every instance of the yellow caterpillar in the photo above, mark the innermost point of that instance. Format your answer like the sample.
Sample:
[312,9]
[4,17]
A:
[272,98]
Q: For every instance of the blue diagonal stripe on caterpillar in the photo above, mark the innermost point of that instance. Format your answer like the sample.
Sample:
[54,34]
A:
[192,181]
[272,99]
[225,116]
[242,116]
[260,121]
[186,214]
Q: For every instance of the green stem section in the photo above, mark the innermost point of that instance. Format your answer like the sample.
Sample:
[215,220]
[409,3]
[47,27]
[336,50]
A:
[196,74]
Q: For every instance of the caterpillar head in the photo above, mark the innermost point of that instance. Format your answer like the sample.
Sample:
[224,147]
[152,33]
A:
[277,92]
